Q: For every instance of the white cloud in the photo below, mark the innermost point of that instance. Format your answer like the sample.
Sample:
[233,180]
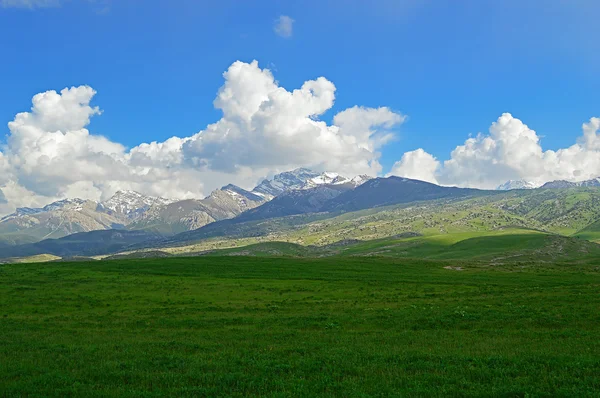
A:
[418,165]
[31,4]
[284,26]
[512,151]
[265,129]
[265,126]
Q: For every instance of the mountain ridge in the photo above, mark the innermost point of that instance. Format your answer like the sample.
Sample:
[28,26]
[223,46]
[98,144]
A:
[128,209]
[384,207]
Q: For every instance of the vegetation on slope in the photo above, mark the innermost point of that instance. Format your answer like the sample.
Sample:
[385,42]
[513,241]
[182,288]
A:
[493,248]
[561,211]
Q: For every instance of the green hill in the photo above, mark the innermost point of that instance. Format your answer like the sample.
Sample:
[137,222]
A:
[506,246]
[591,232]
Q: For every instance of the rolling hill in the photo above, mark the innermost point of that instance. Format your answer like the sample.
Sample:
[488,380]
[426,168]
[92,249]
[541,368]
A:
[81,244]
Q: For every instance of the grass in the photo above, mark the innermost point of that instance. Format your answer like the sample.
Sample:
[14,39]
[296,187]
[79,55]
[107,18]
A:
[591,232]
[275,327]
[511,245]
[40,258]
[527,246]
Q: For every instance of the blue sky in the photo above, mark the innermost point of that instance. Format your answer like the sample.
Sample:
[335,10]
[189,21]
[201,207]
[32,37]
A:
[452,67]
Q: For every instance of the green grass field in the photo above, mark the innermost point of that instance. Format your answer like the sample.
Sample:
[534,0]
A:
[277,327]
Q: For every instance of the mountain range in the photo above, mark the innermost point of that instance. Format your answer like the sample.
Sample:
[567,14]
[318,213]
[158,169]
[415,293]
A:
[133,211]
[558,184]
[594,182]
[299,200]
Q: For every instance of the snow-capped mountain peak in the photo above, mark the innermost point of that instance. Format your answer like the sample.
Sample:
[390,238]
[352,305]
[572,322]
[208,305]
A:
[517,184]
[64,204]
[303,178]
[326,178]
[283,182]
[239,194]
[360,179]
[22,212]
[132,203]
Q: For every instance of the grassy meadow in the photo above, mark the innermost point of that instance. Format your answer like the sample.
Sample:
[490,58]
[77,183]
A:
[277,327]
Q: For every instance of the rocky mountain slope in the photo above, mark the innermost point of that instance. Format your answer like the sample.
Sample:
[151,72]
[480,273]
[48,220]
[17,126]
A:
[283,182]
[594,182]
[304,179]
[69,216]
[131,204]
[56,220]
[557,184]
[186,215]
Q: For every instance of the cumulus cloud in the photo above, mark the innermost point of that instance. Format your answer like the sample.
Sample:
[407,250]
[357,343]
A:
[266,126]
[418,165]
[31,4]
[510,151]
[264,129]
[284,26]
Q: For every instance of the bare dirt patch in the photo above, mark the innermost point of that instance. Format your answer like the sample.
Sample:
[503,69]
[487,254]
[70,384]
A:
[454,268]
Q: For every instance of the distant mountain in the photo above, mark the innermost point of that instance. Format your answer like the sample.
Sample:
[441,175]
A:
[55,220]
[81,244]
[59,205]
[283,182]
[378,208]
[230,201]
[69,216]
[360,179]
[296,202]
[517,184]
[131,204]
[561,184]
[124,210]
[134,211]
[186,215]
[394,190]
[328,178]
[303,178]
[334,199]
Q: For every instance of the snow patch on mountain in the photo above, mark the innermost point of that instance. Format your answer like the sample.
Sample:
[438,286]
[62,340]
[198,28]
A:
[303,179]
[517,184]
[132,204]
[360,179]
[243,198]
[65,204]
[594,182]
[283,182]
